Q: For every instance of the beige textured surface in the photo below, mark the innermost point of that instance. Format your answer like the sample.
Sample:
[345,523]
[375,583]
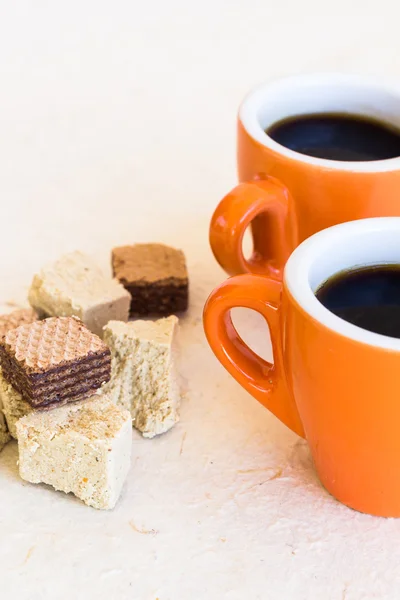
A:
[16,318]
[149,263]
[143,376]
[119,126]
[84,448]
[52,342]
[74,285]
[14,406]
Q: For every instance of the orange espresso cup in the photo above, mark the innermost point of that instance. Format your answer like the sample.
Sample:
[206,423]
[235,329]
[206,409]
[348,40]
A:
[286,196]
[334,383]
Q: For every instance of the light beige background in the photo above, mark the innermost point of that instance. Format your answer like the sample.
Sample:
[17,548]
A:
[117,125]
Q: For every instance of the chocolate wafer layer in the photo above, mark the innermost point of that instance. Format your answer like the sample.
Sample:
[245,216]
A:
[57,360]
[64,388]
[155,275]
[158,299]
[58,378]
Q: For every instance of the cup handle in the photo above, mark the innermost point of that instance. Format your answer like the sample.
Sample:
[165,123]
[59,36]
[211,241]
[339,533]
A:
[266,204]
[263,380]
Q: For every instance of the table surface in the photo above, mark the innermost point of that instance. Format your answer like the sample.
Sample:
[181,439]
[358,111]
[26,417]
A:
[117,125]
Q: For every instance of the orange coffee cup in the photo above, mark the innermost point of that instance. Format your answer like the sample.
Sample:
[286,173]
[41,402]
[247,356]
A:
[334,383]
[286,196]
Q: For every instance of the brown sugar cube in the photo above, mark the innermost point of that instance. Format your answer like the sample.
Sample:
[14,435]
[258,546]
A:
[16,318]
[54,361]
[156,277]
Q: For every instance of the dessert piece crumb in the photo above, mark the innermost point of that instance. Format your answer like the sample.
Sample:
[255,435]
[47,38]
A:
[75,286]
[143,372]
[156,277]
[83,448]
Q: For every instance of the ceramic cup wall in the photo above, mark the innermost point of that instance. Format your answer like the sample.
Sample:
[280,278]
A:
[332,382]
[287,196]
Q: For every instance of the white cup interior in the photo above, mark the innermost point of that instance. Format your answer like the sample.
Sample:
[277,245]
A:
[341,248]
[305,94]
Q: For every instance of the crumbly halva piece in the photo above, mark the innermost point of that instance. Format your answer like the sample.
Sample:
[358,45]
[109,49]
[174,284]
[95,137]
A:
[143,372]
[54,361]
[83,448]
[4,433]
[14,406]
[156,277]
[14,319]
[75,286]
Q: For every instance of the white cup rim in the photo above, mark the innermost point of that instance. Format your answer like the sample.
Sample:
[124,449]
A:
[287,89]
[342,247]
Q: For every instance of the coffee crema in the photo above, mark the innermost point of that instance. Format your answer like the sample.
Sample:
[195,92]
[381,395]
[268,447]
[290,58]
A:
[368,297]
[337,136]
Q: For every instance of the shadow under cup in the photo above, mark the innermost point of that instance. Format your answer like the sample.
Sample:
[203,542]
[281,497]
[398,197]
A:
[332,382]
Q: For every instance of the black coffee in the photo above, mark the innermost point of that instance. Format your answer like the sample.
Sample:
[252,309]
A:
[368,297]
[337,137]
